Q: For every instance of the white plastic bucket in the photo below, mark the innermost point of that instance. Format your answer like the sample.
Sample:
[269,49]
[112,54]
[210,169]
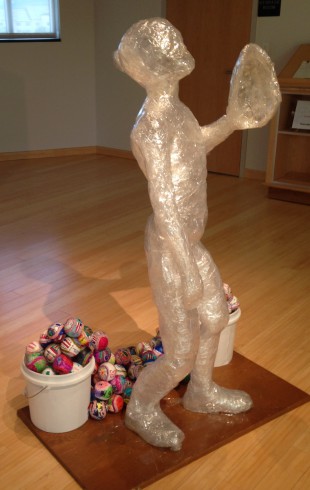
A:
[59,403]
[226,343]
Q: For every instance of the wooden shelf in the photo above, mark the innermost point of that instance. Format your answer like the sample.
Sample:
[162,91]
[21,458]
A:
[286,77]
[295,132]
[296,179]
[288,166]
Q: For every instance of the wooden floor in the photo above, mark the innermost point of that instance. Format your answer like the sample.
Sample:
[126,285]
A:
[71,232]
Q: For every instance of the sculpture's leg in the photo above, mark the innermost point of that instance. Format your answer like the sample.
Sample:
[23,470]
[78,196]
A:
[143,413]
[180,335]
[203,395]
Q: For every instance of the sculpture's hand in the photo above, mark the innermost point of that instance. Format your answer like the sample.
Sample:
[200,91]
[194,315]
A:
[253,98]
[254,90]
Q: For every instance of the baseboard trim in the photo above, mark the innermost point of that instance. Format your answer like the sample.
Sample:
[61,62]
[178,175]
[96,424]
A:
[61,152]
[96,150]
[56,152]
[114,152]
[254,174]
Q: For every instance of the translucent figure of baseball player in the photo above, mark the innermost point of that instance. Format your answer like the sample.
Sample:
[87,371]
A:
[171,149]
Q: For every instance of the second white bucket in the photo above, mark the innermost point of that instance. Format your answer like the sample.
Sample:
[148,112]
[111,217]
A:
[226,343]
[59,403]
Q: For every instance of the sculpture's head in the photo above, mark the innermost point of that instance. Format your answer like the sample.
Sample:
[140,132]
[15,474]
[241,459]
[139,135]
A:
[152,51]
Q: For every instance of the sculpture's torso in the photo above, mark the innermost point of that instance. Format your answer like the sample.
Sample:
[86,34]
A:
[167,135]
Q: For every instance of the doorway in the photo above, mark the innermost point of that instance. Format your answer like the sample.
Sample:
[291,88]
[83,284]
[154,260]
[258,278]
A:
[214,32]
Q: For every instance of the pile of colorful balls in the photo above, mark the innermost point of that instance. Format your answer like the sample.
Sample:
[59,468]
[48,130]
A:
[62,349]
[66,348]
[116,373]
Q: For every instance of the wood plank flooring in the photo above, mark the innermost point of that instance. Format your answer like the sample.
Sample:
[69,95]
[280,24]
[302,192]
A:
[71,236]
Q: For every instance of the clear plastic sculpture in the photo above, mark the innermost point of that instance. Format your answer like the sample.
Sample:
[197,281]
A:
[171,149]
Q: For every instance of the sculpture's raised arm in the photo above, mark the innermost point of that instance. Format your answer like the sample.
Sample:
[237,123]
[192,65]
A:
[217,132]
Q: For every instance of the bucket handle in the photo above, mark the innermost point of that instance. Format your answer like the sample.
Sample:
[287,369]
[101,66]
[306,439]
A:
[38,392]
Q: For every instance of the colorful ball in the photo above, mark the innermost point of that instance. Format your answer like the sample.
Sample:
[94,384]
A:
[84,356]
[102,355]
[155,342]
[159,348]
[76,367]
[233,304]
[122,356]
[112,358]
[89,332]
[69,348]
[227,291]
[118,384]
[143,347]
[73,327]
[157,353]
[97,410]
[99,340]
[129,382]
[34,347]
[62,364]
[56,332]
[51,352]
[135,359]
[120,370]
[148,356]
[115,404]
[38,364]
[31,357]
[106,371]
[127,394]
[44,339]
[84,338]
[103,390]
[48,371]
[134,371]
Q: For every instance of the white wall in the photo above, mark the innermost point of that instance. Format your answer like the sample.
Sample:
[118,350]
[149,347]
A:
[47,96]
[279,36]
[118,97]
[48,93]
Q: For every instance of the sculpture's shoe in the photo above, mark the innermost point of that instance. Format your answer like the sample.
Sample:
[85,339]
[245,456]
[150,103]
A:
[217,399]
[155,428]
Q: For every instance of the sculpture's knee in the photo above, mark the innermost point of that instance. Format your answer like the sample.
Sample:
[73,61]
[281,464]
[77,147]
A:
[180,367]
[215,323]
